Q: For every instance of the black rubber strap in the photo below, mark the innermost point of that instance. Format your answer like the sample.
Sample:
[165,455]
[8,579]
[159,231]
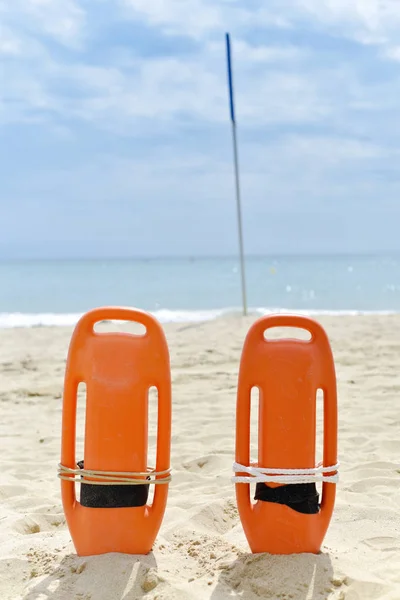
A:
[112,496]
[302,497]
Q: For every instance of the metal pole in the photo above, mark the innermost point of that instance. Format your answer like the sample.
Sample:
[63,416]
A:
[236,167]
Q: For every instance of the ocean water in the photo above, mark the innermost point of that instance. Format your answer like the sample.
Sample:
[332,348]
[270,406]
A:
[58,292]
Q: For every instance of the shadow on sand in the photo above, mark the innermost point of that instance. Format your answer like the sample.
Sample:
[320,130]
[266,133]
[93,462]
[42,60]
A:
[297,577]
[124,577]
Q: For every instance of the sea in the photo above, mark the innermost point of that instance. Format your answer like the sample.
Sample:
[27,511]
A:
[58,292]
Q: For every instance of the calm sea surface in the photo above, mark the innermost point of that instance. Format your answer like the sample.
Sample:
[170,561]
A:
[55,292]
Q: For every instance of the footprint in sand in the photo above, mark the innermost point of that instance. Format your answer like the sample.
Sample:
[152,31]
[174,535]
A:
[10,491]
[384,544]
[391,446]
[38,522]
[216,517]
[367,589]
[208,463]
[27,526]
[378,466]
[374,483]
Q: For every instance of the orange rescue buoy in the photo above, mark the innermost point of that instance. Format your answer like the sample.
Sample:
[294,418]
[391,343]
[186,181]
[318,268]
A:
[287,516]
[118,369]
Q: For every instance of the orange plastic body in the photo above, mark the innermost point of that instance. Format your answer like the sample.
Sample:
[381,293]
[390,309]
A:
[288,373]
[118,370]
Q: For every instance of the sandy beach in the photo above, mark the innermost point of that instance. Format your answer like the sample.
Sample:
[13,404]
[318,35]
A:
[201,552]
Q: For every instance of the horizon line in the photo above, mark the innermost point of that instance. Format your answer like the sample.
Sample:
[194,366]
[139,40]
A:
[193,257]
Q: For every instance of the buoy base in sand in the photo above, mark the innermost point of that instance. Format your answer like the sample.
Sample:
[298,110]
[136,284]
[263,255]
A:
[281,530]
[102,531]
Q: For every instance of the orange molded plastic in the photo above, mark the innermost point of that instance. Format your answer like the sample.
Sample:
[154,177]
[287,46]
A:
[118,370]
[288,373]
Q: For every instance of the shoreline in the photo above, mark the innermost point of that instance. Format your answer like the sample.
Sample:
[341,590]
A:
[17,320]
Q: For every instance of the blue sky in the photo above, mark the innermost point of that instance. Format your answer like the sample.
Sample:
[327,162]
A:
[115,133]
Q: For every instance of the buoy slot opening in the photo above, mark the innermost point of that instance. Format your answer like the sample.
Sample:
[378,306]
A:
[319,431]
[152,404]
[132,327]
[80,424]
[287,333]
[254,410]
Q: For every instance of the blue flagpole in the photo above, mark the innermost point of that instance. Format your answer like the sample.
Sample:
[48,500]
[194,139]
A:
[236,168]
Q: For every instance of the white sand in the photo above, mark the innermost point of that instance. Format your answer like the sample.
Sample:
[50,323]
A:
[201,551]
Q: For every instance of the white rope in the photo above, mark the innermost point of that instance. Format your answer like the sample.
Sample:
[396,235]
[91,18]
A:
[113,477]
[289,476]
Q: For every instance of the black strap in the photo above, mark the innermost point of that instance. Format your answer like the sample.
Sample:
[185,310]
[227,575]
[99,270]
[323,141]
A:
[113,496]
[301,497]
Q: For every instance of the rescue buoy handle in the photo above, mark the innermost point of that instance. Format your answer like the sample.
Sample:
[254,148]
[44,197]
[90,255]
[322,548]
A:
[293,321]
[116,313]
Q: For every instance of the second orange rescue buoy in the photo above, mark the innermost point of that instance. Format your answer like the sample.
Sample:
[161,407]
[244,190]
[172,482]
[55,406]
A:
[287,516]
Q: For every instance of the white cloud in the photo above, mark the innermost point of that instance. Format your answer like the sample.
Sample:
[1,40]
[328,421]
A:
[165,87]
[256,54]
[373,14]
[186,17]
[332,149]
[203,18]
[62,20]
[274,83]
[314,169]
[368,21]
[393,53]
[9,43]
